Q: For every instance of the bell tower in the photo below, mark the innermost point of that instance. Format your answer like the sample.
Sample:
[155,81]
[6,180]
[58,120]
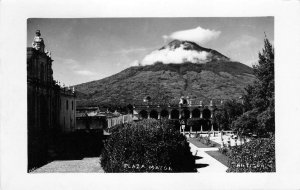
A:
[38,42]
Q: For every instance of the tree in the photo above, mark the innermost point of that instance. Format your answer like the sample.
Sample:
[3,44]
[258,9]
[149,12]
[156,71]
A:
[259,119]
[129,109]
[262,91]
[259,97]
[230,111]
[221,119]
[266,119]
[264,71]
[234,109]
[246,123]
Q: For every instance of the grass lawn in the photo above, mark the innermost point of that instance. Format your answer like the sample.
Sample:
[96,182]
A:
[197,143]
[218,156]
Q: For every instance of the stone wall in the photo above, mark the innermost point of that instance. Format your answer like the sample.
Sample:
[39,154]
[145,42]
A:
[67,116]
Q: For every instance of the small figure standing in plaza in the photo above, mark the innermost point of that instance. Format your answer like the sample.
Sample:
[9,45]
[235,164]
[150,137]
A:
[228,142]
[183,126]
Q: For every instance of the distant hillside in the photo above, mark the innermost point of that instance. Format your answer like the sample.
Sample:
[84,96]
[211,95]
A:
[166,83]
[180,68]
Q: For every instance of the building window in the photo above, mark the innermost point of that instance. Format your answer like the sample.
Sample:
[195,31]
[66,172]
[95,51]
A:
[72,105]
[67,105]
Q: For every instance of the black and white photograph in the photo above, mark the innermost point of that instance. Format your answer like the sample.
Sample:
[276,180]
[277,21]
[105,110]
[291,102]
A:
[153,95]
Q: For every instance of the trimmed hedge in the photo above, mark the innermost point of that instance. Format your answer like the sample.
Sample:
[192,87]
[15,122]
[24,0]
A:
[255,156]
[147,146]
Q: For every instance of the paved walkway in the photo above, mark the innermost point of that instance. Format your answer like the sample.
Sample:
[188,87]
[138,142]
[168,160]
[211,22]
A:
[86,165]
[206,163]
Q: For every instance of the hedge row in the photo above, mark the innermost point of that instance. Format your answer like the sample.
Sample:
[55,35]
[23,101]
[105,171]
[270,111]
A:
[147,146]
[255,156]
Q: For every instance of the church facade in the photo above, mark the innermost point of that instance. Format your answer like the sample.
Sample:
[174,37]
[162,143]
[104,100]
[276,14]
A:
[51,108]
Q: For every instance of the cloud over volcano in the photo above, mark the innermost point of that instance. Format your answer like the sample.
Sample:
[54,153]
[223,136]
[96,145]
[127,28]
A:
[176,56]
[198,35]
[185,47]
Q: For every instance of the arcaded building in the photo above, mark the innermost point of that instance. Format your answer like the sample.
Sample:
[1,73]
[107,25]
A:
[51,108]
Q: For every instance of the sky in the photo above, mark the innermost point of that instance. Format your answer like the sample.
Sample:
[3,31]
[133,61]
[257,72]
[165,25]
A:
[87,49]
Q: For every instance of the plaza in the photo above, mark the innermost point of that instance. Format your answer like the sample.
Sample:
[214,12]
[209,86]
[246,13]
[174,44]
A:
[205,163]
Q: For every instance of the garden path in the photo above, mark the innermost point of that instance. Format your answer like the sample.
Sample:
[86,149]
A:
[86,165]
[205,163]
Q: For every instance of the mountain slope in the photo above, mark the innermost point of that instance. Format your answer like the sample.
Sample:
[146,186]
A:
[166,83]
[180,68]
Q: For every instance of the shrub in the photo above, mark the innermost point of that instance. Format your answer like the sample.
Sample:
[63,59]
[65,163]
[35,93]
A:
[147,146]
[246,123]
[205,140]
[224,150]
[175,123]
[255,156]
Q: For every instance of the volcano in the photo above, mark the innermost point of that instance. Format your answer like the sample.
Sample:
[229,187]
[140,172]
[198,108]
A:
[183,51]
[180,68]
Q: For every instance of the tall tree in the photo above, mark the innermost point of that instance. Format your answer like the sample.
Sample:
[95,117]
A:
[259,97]
[261,93]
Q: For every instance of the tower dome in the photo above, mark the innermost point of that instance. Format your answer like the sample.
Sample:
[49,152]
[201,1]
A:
[38,42]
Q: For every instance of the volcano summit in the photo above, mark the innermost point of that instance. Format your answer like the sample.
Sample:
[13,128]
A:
[177,52]
[181,68]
